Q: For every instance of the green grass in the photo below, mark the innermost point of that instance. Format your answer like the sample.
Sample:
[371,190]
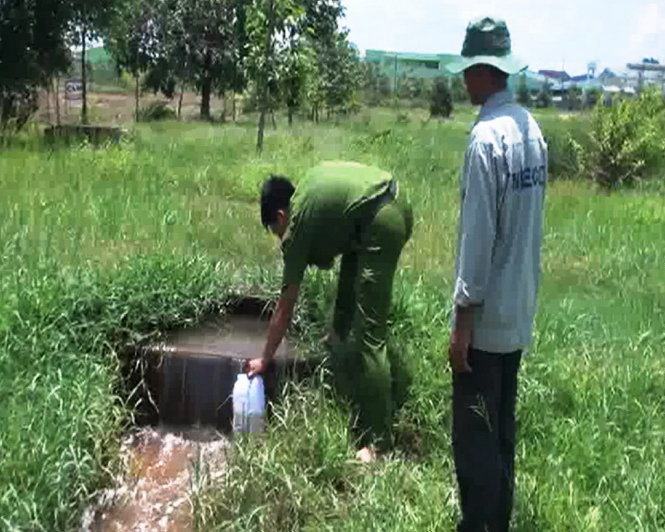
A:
[102,246]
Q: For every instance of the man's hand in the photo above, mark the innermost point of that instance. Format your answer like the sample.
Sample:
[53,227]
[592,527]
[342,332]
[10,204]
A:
[257,366]
[460,340]
[458,353]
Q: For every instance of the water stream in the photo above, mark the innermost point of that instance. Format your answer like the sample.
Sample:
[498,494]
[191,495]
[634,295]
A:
[192,373]
[154,493]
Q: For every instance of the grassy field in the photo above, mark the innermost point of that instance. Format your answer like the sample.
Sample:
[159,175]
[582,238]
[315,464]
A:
[101,246]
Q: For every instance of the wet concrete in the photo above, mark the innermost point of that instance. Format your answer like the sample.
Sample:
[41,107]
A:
[155,492]
[192,372]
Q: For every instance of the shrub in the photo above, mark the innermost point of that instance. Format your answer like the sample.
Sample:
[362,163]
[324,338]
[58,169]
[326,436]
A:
[458,88]
[591,97]
[156,111]
[626,140]
[574,99]
[544,98]
[523,96]
[441,103]
[16,108]
[566,140]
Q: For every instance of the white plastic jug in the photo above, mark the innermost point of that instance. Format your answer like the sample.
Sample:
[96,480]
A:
[257,405]
[249,404]
[240,403]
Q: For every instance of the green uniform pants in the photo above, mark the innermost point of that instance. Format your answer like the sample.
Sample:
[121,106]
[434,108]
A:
[361,365]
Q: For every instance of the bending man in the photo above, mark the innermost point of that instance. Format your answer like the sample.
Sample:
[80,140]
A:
[357,212]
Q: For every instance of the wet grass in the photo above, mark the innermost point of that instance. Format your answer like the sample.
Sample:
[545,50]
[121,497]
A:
[101,246]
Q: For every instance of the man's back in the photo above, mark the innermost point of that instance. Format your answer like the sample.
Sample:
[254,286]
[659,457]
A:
[325,208]
[506,173]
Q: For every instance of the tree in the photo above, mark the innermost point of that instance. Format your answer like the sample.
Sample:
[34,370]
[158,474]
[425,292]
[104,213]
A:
[340,71]
[269,24]
[292,77]
[89,20]
[523,96]
[204,33]
[441,104]
[135,41]
[544,98]
[32,51]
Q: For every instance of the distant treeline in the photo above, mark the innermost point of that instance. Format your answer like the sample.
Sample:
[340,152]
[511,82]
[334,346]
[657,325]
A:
[284,53]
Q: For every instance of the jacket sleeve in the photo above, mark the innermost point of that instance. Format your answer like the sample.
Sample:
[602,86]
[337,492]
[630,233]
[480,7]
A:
[478,225]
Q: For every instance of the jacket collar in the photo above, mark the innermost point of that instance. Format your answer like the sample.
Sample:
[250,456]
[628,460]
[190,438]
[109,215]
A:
[495,101]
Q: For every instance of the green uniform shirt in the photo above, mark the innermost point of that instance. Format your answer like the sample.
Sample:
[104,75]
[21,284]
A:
[324,212]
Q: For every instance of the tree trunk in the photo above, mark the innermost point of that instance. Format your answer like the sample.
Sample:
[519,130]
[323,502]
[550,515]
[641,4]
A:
[137,95]
[262,127]
[206,91]
[206,87]
[233,107]
[84,80]
[263,92]
[57,101]
[182,95]
[48,102]
[290,116]
[6,103]
[272,118]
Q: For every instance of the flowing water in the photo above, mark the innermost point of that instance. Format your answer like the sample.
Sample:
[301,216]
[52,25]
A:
[191,377]
[162,469]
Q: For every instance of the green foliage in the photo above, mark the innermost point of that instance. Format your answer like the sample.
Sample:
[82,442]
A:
[339,69]
[89,20]
[441,103]
[544,97]
[411,88]
[458,89]
[523,95]
[591,97]
[574,99]
[32,51]
[627,140]
[204,45]
[156,111]
[376,86]
[566,142]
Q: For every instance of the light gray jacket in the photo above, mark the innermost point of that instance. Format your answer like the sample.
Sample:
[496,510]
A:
[498,257]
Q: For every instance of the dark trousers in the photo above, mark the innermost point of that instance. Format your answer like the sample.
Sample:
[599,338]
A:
[484,439]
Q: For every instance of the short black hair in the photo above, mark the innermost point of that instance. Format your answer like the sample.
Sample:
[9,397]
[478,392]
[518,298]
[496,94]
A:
[276,195]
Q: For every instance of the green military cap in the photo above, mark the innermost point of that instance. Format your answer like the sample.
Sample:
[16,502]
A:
[487,43]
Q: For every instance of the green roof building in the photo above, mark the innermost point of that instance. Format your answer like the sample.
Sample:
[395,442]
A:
[399,65]
[396,65]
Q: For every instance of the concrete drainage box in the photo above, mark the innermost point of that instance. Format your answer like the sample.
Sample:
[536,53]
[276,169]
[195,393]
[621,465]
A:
[191,372]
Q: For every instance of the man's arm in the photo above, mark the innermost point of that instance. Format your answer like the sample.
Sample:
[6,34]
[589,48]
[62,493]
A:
[460,339]
[279,324]
[477,234]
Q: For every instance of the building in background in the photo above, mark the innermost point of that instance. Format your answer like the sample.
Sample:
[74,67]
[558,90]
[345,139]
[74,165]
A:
[399,65]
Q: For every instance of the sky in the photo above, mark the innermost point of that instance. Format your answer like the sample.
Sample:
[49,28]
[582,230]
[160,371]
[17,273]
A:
[566,34]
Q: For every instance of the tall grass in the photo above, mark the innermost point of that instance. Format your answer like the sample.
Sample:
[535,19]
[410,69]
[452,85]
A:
[102,246]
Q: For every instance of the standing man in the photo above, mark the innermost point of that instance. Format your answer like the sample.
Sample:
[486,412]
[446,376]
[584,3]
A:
[497,274]
[360,213]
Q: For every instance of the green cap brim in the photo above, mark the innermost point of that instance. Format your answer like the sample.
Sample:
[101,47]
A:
[508,64]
